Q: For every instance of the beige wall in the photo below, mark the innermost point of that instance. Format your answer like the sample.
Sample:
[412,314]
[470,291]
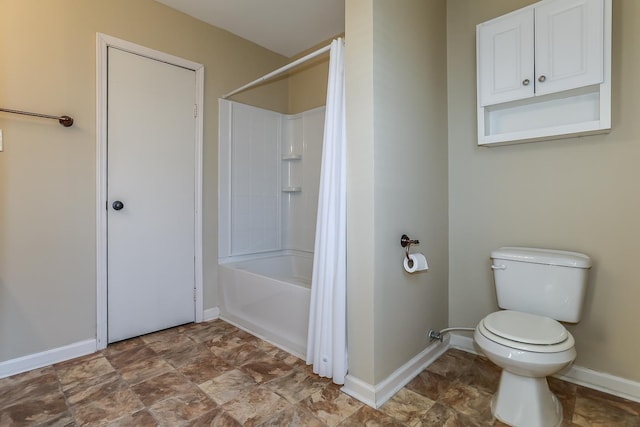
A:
[577,194]
[47,172]
[360,188]
[397,139]
[308,84]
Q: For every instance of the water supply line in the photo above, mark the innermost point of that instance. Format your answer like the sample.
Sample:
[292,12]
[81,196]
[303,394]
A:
[433,335]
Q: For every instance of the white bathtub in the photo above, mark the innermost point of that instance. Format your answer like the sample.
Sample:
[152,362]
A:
[269,297]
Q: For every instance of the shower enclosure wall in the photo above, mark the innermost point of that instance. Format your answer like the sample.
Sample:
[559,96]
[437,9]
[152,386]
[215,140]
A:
[269,167]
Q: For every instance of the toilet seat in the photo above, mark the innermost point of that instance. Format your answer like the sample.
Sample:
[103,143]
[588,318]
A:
[524,331]
[525,327]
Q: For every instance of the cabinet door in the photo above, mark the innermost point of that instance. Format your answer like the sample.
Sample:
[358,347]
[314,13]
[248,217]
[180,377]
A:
[569,45]
[505,58]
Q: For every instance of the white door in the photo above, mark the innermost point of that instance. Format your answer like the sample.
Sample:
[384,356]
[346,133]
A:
[151,195]
[569,45]
[505,58]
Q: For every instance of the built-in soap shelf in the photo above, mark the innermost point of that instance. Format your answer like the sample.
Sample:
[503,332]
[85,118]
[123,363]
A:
[291,176]
[291,189]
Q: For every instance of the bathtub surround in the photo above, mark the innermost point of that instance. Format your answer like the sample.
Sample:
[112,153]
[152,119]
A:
[269,175]
[327,341]
[269,170]
[299,208]
[248,173]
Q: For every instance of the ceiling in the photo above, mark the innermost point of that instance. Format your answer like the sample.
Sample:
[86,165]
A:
[283,26]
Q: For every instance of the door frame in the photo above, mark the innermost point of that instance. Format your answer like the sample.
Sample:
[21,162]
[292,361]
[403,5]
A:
[103,42]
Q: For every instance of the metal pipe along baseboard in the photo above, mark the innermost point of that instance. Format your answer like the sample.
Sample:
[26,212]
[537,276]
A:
[433,335]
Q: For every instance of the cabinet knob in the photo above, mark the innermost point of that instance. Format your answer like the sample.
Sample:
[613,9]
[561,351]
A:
[525,82]
[542,78]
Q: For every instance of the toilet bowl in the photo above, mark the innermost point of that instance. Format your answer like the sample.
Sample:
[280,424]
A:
[528,348]
[536,288]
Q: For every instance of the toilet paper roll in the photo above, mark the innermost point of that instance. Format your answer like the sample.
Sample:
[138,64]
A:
[416,262]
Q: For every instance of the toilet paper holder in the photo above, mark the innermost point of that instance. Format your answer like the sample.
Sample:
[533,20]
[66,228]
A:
[406,243]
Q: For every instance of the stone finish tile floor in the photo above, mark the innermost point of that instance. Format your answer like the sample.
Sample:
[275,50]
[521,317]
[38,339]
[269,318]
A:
[214,374]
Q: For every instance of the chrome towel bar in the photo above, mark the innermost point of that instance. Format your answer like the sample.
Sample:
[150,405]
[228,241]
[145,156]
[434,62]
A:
[65,121]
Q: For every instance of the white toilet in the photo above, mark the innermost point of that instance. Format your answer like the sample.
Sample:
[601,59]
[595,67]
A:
[536,287]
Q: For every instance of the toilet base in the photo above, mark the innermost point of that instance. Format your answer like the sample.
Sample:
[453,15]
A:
[526,402]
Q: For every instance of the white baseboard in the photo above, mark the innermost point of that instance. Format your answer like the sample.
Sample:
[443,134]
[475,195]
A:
[67,352]
[45,358]
[376,396]
[210,314]
[463,342]
[601,381]
[361,390]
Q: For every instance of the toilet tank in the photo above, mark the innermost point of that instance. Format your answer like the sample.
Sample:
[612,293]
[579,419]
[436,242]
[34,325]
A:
[546,282]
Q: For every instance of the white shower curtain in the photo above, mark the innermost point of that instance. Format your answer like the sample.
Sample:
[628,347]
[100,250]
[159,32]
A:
[327,339]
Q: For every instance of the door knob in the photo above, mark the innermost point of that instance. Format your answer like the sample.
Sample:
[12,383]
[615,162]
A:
[117,205]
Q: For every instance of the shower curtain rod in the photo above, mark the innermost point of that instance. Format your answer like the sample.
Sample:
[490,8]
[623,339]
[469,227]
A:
[280,70]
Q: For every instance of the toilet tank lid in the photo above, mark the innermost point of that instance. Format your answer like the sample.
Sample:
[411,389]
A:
[542,256]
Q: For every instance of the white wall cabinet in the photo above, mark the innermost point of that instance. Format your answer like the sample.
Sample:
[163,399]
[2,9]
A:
[544,72]
[569,45]
[505,58]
